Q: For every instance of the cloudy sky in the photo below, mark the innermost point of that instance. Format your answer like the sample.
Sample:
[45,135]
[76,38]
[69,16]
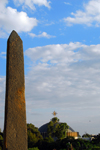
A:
[61,42]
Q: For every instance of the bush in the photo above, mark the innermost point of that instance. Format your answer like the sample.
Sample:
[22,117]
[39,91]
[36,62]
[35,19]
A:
[0,148]
[49,139]
[33,135]
[34,148]
[1,142]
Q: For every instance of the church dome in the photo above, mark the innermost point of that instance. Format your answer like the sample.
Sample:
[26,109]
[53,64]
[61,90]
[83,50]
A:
[43,128]
[54,121]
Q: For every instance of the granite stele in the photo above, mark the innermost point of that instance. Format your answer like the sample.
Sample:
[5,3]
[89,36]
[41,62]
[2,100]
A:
[15,128]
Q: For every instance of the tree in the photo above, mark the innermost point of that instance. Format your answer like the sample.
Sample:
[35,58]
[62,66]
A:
[33,135]
[86,135]
[55,119]
[56,129]
[50,128]
[49,139]
[34,148]
[61,130]
[1,140]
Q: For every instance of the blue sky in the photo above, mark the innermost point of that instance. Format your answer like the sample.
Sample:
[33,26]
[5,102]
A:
[61,44]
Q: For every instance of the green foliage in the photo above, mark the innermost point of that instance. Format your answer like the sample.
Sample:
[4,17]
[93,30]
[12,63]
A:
[86,135]
[82,144]
[34,148]
[56,129]
[50,128]
[36,142]
[61,130]
[33,135]
[96,140]
[55,120]
[1,141]
[49,139]
[1,148]
[1,138]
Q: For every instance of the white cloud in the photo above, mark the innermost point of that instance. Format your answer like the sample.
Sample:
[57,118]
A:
[31,3]
[59,53]
[67,3]
[11,19]
[2,84]
[3,34]
[90,16]
[2,99]
[69,67]
[43,34]
[64,78]
[49,24]
[3,54]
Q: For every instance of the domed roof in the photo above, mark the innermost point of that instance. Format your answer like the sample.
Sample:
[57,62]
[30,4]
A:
[44,128]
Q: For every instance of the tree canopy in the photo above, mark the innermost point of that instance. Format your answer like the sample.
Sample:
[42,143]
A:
[33,135]
[56,129]
[86,135]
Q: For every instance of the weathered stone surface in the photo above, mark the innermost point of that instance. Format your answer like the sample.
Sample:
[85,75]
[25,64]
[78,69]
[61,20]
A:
[15,129]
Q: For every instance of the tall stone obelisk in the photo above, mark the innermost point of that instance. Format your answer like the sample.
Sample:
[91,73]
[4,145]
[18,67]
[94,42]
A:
[15,128]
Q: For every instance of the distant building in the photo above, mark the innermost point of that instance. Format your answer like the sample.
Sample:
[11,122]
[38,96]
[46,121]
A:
[89,138]
[70,131]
